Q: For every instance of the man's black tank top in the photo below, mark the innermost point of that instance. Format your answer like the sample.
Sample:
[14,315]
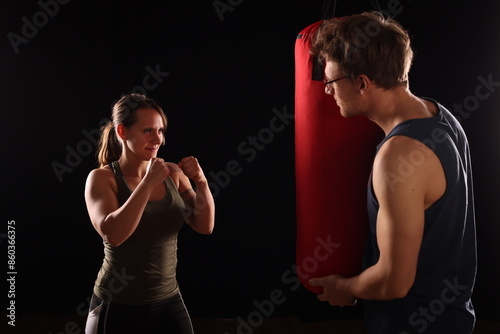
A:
[440,299]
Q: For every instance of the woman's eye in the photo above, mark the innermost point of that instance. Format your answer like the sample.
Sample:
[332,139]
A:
[160,132]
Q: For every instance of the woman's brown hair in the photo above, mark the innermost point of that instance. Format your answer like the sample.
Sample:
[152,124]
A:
[124,112]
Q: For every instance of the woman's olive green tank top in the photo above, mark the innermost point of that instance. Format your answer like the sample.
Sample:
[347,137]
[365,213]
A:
[142,270]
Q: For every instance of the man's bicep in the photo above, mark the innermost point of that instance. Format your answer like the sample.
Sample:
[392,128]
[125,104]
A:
[400,221]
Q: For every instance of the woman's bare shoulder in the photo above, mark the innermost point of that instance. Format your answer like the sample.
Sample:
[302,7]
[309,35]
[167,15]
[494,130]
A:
[101,177]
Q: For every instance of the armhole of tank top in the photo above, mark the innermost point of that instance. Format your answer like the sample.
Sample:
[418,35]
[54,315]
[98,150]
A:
[173,190]
[371,190]
[170,184]
[121,185]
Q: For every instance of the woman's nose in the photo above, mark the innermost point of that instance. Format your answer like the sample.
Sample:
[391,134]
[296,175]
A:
[156,138]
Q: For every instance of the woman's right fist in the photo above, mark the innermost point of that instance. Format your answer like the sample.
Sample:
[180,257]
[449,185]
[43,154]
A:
[157,170]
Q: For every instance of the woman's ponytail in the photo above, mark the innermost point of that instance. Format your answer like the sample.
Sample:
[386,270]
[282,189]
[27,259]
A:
[109,147]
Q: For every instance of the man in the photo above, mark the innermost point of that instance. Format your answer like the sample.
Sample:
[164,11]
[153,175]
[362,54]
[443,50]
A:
[420,263]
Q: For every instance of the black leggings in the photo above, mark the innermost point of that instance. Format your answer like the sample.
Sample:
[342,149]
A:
[165,317]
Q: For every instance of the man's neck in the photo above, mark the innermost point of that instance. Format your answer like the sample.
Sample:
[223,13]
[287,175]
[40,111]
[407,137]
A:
[393,106]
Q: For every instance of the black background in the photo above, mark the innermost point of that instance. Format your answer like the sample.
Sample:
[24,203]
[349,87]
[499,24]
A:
[226,74]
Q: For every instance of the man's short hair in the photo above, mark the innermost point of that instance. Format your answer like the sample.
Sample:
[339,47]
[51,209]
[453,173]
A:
[366,44]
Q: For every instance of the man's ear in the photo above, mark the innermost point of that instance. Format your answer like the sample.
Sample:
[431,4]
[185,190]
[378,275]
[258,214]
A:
[364,83]
[120,131]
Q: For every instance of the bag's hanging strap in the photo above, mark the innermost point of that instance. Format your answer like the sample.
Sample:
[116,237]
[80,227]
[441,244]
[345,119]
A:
[326,9]
[376,5]
[327,4]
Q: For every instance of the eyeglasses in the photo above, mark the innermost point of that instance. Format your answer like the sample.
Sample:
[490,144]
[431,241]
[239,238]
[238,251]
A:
[326,83]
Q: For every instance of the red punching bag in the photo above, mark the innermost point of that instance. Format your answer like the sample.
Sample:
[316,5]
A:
[333,160]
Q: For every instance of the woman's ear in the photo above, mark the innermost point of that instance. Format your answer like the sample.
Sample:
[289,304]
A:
[120,131]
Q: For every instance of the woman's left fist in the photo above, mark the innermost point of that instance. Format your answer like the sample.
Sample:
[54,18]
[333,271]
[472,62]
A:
[191,168]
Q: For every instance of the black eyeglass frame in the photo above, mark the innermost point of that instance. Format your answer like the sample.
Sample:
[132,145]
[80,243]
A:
[326,83]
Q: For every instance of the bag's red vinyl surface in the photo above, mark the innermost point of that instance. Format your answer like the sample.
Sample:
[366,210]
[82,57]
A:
[333,160]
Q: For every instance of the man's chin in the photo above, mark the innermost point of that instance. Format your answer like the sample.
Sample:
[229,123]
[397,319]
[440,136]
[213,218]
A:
[344,113]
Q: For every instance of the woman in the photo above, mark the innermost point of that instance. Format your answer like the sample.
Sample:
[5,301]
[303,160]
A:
[137,203]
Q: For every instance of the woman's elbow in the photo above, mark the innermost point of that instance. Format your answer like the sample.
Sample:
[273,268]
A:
[113,240]
[202,227]
[207,231]
[111,235]
[204,230]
